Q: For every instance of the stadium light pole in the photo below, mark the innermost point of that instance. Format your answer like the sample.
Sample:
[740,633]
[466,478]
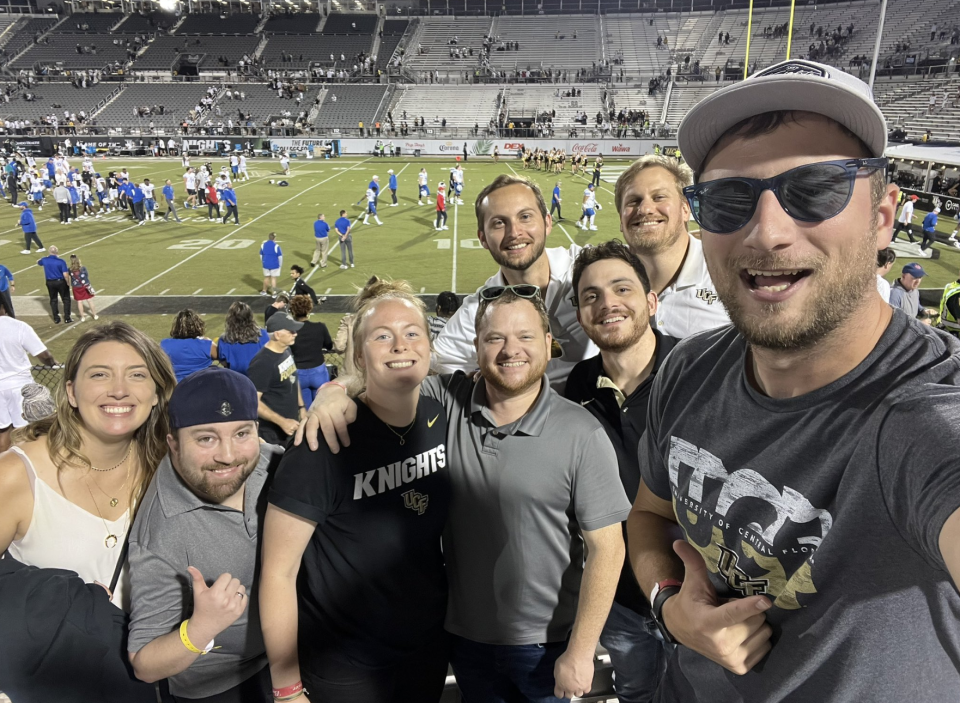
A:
[746,59]
[876,44]
[793,6]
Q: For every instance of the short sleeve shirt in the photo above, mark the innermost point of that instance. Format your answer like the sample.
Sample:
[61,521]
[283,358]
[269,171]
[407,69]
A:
[830,504]
[17,339]
[372,583]
[275,375]
[321,229]
[690,304]
[342,225]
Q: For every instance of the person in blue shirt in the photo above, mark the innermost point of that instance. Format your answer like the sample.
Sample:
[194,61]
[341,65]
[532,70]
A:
[136,197]
[555,202]
[51,169]
[29,226]
[242,338]
[7,287]
[271,258]
[343,227]
[74,200]
[321,232]
[125,191]
[929,229]
[168,195]
[393,187]
[229,198]
[188,349]
[57,275]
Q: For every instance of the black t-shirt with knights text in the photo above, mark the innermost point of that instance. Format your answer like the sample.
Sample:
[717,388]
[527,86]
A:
[372,586]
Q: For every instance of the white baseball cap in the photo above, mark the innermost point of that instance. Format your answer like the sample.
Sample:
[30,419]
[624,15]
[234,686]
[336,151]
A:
[790,85]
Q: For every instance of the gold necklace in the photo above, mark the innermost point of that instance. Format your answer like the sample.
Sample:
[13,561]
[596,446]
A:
[114,501]
[405,432]
[125,457]
[111,540]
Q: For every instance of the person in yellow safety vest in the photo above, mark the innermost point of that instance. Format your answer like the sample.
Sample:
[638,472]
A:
[950,308]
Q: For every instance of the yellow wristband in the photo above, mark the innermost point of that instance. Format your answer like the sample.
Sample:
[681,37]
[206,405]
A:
[189,645]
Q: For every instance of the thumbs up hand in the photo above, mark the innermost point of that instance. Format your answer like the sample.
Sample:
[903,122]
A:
[734,634]
[215,607]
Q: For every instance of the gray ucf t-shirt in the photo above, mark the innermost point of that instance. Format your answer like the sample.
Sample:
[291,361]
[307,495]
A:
[831,504]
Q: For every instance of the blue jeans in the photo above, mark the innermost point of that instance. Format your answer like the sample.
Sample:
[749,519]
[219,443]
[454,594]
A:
[637,653]
[492,673]
[311,380]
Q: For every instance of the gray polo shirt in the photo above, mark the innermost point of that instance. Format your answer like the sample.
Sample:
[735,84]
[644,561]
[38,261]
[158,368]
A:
[903,299]
[175,529]
[521,494]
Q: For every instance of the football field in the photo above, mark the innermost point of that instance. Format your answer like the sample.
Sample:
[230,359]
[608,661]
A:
[146,274]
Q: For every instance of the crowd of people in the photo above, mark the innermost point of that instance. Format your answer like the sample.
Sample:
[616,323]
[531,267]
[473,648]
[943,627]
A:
[683,448]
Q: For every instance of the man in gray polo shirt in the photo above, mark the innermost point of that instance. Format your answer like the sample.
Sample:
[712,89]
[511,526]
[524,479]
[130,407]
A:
[534,477]
[198,524]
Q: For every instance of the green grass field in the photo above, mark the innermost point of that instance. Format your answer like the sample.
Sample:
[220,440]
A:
[200,258]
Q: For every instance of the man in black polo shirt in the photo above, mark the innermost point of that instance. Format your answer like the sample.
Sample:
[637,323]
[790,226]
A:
[614,306]
[274,373]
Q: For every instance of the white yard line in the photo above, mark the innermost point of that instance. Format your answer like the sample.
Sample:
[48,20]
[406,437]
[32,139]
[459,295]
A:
[197,291]
[245,224]
[230,291]
[564,230]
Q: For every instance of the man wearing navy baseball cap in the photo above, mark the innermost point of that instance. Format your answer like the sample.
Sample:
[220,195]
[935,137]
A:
[905,291]
[807,452]
[199,524]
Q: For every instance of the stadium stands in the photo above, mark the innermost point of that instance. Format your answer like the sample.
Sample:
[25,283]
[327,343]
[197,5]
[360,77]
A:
[261,103]
[314,48]
[27,32]
[61,51]
[434,36]
[350,24]
[393,31]
[538,46]
[293,23]
[89,23]
[623,98]
[162,52]
[633,41]
[528,101]
[461,106]
[54,98]
[146,24]
[353,104]
[212,23]
[684,98]
[177,101]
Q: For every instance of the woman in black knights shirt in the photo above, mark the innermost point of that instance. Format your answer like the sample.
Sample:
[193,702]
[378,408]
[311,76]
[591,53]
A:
[353,591]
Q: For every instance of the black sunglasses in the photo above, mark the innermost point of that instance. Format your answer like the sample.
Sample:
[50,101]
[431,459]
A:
[521,290]
[808,193]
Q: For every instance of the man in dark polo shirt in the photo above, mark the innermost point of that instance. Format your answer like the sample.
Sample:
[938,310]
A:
[58,283]
[615,305]
[274,373]
[199,523]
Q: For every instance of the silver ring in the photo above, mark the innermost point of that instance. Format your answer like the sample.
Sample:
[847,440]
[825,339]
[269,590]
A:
[241,594]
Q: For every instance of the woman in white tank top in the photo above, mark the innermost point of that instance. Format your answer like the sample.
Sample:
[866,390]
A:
[69,488]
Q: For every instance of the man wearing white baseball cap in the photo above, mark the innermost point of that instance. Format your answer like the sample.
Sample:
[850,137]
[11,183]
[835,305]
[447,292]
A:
[807,453]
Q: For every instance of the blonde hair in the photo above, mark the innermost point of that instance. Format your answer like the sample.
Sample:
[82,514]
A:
[682,174]
[376,291]
[75,262]
[64,441]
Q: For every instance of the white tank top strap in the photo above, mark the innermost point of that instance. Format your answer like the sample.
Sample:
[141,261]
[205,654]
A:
[31,472]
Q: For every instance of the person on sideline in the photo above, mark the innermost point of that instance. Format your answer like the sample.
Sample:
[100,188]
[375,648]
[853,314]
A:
[57,276]
[345,238]
[82,290]
[271,259]
[321,232]
[29,226]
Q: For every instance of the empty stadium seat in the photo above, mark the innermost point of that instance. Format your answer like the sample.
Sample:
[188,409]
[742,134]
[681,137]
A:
[177,101]
[293,23]
[540,49]
[89,23]
[212,23]
[354,104]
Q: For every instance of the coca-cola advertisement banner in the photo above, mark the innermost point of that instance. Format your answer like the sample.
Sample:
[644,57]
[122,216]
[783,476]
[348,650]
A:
[609,148]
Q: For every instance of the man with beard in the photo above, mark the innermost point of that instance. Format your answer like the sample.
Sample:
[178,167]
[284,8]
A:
[807,454]
[653,220]
[199,524]
[513,226]
[533,482]
[615,305]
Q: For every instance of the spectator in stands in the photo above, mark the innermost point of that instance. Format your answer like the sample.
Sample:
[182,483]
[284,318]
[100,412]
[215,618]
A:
[53,465]
[187,347]
[274,373]
[905,293]
[312,341]
[17,340]
[447,304]
[241,338]
[216,467]
[885,260]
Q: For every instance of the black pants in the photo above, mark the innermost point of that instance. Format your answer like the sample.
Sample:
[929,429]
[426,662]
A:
[138,211]
[393,192]
[60,288]
[417,678]
[555,206]
[64,211]
[213,211]
[73,210]
[256,689]
[441,217]
[901,226]
[7,302]
[596,179]
[928,239]
[31,237]
[236,215]
[201,196]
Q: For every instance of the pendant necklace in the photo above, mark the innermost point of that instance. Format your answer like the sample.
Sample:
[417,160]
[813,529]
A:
[405,432]
[110,541]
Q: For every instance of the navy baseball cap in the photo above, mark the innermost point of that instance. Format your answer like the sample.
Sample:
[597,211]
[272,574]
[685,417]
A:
[281,321]
[914,269]
[212,396]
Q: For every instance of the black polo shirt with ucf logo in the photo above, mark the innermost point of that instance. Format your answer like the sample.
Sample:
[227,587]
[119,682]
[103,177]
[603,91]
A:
[372,586]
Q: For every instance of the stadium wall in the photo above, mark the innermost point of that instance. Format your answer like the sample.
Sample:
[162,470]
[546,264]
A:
[484,147]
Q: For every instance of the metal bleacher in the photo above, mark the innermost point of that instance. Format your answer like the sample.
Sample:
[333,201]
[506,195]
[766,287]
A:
[293,23]
[528,101]
[89,23]
[177,101]
[354,104]
[461,106]
[434,36]
[539,47]
[54,98]
[75,51]
[634,39]
[213,23]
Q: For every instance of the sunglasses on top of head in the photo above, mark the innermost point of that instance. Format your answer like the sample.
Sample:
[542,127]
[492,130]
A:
[808,193]
[521,290]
